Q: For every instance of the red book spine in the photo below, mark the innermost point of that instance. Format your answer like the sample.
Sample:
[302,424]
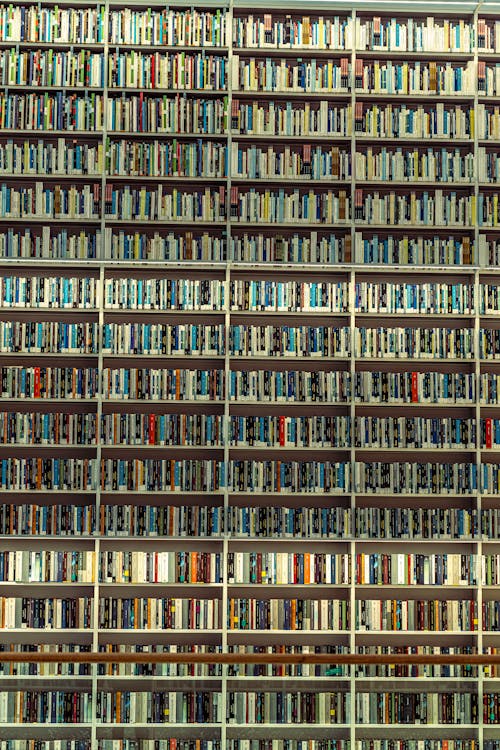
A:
[152,429]
[489,433]
[385,570]
[153,71]
[414,387]
[36,383]
[282,431]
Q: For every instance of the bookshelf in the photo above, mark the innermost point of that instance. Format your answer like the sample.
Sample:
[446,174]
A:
[249,349]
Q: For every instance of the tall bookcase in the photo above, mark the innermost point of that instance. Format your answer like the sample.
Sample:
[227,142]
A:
[249,346]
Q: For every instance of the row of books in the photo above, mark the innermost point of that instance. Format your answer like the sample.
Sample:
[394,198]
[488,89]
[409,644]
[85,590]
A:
[289,476]
[48,473]
[62,292]
[413,670]
[194,669]
[302,163]
[162,429]
[427,166]
[377,33]
[82,68]
[164,294]
[163,475]
[286,385]
[198,669]
[51,669]
[279,206]
[206,294]
[67,112]
[491,615]
[137,613]
[39,566]
[164,384]
[46,613]
[55,243]
[61,157]
[276,521]
[288,296]
[285,431]
[433,209]
[378,477]
[135,566]
[270,386]
[288,568]
[168,28]
[197,158]
[422,343]
[54,519]
[396,477]
[206,29]
[417,708]
[422,35]
[288,614]
[23,23]
[490,570]
[59,292]
[52,382]
[250,707]
[49,242]
[48,337]
[437,615]
[167,70]
[423,432]
[58,110]
[420,387]
[177,114]
[379,568]
[291,341]
[162,338]
[39,428]
[159,707]
[164,204]
[284,76]
[421,78]
[287,708]
[368,77]
[71,112]
[59,202]
[412,165]
[45,707]
[90,26]
[384,120]
[190,246]
[210,475]
[143,113]
[427,251]
[293,32]
[341,523]
[368,386]
[246,340]
[88,69]
[424,297]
